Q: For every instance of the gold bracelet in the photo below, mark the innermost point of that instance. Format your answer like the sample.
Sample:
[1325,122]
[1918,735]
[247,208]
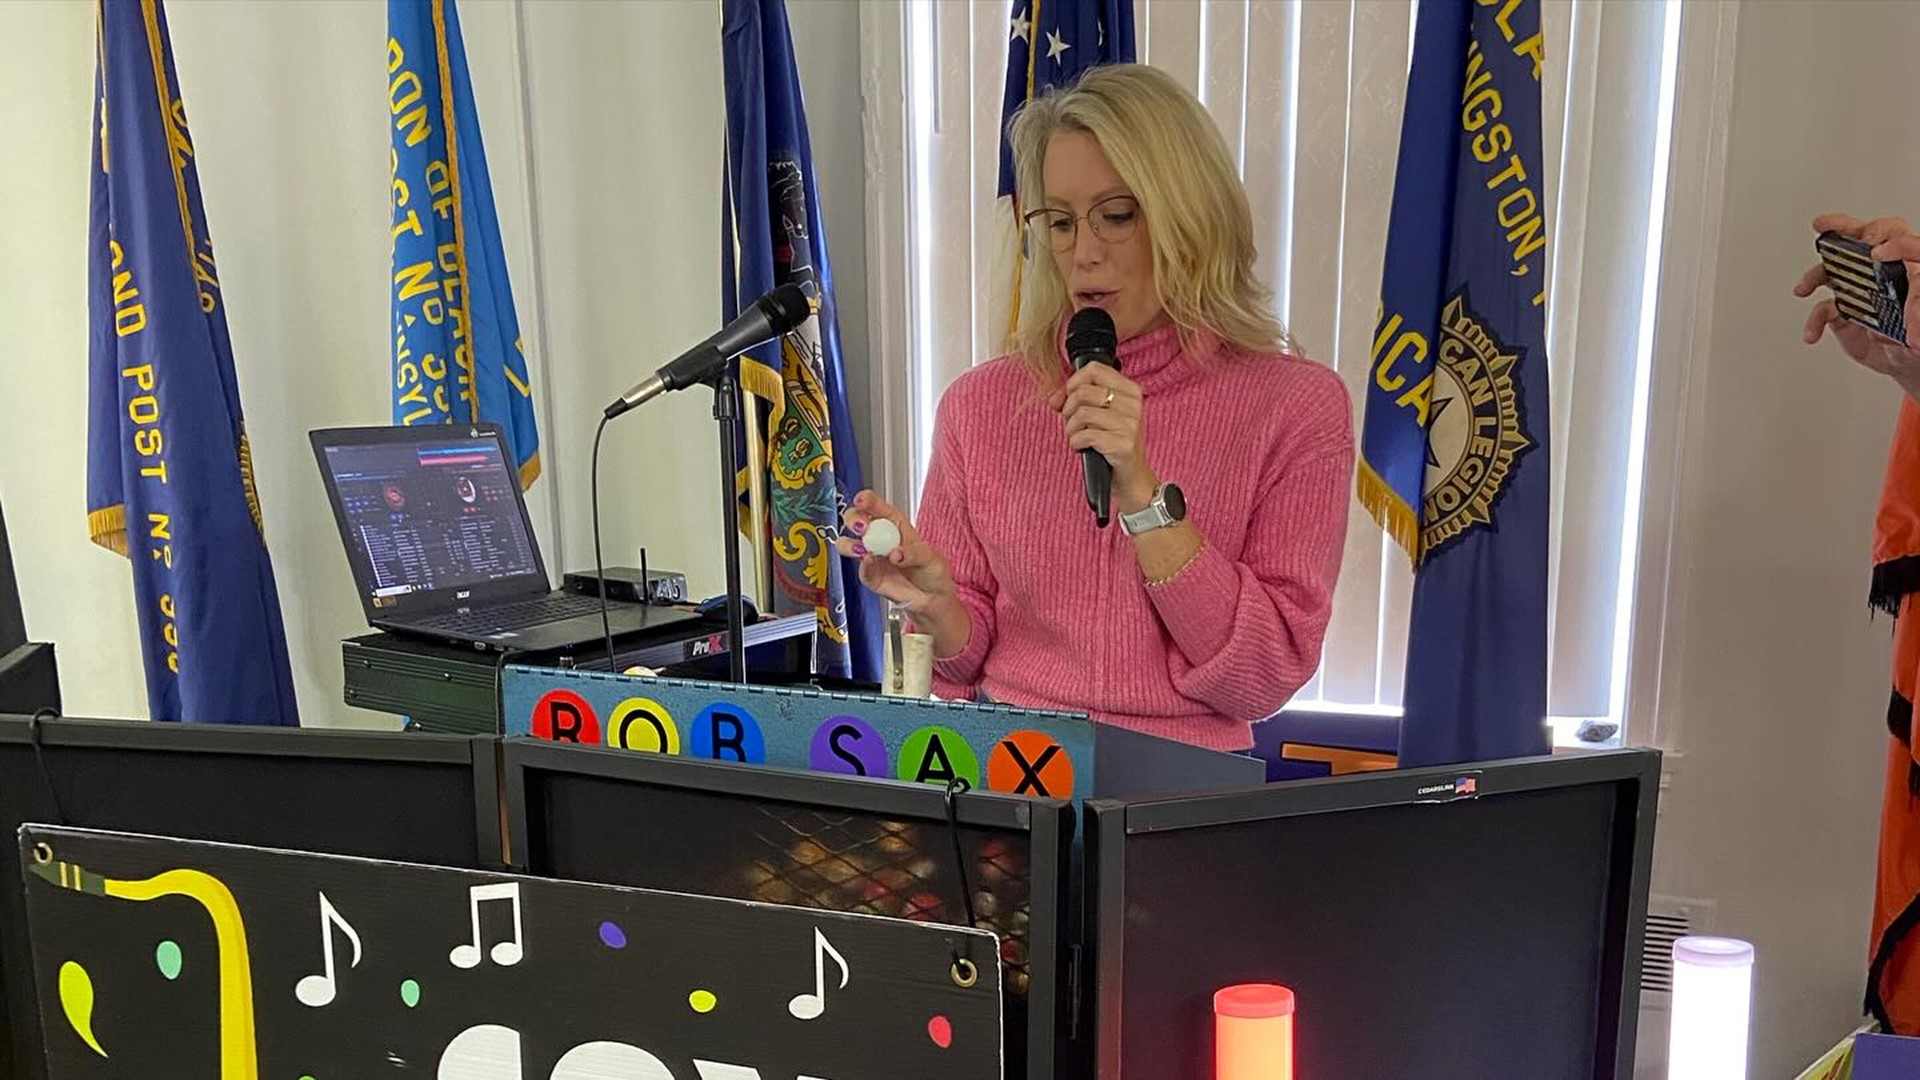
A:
[1154,583]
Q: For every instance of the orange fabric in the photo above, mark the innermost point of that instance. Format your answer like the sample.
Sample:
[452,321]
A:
[1895,950]
[1896,533]
[1898,980]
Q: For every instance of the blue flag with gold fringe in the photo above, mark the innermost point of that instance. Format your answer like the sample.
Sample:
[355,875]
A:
[1454,459]
[169,477]
[456,338]
[771,236]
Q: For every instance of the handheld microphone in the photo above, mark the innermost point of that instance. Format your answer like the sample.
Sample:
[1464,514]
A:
[1090,340]
[776,313]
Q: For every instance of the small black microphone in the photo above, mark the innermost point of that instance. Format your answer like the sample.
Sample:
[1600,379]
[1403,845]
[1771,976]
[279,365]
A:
[1091,340]
[776,313]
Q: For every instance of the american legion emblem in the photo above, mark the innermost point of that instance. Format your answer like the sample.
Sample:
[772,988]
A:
[1475,431]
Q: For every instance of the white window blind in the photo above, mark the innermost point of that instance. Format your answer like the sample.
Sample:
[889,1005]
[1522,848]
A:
[1309,95]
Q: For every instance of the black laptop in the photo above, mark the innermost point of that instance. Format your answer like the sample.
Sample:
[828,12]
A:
[441,546]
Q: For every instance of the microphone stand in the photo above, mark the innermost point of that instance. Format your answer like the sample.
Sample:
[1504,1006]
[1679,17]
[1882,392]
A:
[726,413]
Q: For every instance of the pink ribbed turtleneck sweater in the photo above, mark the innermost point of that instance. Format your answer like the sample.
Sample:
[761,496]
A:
[1262,446]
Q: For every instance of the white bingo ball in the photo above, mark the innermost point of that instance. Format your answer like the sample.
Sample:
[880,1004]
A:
[881,538]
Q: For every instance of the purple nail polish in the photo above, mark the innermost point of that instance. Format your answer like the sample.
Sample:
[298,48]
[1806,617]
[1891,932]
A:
[860,549]
[858,528]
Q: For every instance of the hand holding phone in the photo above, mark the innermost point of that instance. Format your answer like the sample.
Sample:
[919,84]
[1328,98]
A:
[1867,292]
[1866,312]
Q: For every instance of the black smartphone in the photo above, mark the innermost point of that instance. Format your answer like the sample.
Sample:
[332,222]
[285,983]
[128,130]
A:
[1872,294]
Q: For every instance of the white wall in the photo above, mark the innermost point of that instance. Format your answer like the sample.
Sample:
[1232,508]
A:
[628,122]
[287,106]
[1783,679]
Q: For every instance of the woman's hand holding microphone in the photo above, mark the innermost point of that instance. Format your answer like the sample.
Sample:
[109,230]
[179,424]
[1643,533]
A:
[912,574]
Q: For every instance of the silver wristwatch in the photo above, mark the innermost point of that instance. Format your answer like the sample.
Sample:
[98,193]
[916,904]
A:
[1169,506]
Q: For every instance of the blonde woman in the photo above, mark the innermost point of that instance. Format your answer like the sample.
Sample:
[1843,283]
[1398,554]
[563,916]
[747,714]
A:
[1203,611]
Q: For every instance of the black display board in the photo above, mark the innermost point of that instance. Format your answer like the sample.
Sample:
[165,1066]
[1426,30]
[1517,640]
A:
[162,957]
[29,677]
[817,841]
[1450,924]
[13,622]
[415,798]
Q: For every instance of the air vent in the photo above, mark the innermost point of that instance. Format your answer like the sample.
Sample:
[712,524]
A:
[1668,920]
[1656,965]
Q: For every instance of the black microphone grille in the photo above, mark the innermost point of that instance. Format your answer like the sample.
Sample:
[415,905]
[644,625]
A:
[1090,330]
[787,307]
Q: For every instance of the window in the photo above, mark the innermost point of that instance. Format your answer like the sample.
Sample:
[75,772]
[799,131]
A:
[1309,95]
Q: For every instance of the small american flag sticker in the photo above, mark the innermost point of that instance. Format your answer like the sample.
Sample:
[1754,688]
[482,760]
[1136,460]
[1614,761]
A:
[1464,786]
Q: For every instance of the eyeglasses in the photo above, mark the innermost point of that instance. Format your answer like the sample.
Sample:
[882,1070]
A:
[1111,219]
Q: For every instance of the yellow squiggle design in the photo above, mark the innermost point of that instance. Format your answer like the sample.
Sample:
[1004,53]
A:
[238,1060]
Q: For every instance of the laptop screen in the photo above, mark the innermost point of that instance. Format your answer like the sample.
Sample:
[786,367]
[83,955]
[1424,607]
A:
[439,513]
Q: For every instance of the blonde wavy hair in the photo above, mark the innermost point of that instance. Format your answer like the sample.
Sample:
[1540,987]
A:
[1166,148]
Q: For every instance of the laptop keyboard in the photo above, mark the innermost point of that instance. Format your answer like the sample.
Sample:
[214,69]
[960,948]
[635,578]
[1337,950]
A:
[550,608]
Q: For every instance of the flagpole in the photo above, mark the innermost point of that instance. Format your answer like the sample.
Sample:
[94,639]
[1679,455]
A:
[726,412]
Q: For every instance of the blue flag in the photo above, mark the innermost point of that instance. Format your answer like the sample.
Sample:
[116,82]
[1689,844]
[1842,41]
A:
[169,477]
[770,236]
[456,339]
[1454,446]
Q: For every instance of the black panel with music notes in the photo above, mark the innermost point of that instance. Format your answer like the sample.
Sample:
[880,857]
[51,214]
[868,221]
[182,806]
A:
[168,958]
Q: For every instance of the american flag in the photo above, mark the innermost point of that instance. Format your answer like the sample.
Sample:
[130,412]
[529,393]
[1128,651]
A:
[1049,43]
[1071,36]
[1466,785]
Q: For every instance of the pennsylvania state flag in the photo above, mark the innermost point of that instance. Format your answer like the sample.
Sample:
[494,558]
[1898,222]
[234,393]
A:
[1454,444]
[1051,43]
[456,339]
[770,236]
[169,477]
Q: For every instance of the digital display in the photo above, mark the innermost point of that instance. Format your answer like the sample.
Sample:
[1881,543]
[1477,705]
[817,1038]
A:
[433,516]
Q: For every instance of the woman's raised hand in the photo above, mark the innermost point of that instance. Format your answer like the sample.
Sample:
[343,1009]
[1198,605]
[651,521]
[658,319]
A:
[913,574]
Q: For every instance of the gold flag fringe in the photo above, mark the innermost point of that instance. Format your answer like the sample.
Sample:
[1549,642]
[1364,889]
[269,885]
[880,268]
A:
[108,528]
[1390,510]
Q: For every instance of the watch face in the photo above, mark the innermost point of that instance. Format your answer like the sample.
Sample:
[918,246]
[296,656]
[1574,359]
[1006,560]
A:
[1175,500]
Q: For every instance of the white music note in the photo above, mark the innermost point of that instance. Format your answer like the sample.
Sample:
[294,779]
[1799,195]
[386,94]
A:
[810,1006]
[318,990]
[505,953]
